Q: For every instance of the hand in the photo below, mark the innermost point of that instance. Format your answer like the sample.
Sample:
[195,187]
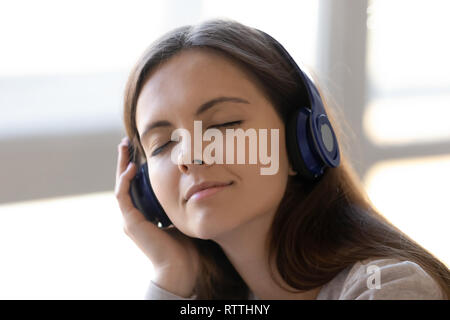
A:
[174,256]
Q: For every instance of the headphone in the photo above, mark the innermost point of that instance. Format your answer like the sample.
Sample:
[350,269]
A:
[310,141]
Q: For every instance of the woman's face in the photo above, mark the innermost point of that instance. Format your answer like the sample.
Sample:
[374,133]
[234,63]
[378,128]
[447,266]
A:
[173,92]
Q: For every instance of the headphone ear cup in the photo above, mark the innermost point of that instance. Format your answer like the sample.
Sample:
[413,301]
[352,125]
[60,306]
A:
[325,141]
[300,145]
[144,199]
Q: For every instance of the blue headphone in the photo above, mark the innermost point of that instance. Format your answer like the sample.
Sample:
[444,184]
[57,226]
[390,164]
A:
[310,141]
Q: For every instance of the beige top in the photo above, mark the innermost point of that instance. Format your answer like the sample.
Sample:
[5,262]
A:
[370,279]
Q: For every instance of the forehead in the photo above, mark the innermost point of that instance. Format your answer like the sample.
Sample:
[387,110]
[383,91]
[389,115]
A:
[188,79]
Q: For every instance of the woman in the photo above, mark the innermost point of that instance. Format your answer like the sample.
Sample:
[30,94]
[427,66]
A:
[275,236]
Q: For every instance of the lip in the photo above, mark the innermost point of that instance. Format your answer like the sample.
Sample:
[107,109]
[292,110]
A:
[206,188]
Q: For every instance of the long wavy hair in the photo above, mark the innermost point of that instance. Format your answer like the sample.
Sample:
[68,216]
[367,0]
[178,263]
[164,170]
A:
[320,227]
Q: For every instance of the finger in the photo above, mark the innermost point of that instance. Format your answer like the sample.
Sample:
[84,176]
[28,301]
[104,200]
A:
[123,158]
[123,187]
[131,214]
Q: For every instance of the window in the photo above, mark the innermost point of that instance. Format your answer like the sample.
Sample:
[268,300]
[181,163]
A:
[407,114]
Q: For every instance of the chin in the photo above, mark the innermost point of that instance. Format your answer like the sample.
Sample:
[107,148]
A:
[208,228]
[206,231]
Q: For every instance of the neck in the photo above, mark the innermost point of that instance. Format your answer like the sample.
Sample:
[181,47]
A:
[247,249]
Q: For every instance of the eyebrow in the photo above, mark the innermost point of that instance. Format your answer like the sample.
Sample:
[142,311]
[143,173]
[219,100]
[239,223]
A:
[203,107]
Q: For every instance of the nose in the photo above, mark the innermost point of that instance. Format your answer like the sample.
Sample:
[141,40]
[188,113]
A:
[185,167]
[187,152]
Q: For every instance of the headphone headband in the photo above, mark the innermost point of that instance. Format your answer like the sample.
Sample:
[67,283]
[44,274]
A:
[324,143]
[313,94]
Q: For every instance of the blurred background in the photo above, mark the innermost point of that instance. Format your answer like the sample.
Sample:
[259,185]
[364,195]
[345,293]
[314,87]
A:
[63,68]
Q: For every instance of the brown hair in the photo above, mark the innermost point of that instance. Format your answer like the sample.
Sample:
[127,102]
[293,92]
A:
[320,228]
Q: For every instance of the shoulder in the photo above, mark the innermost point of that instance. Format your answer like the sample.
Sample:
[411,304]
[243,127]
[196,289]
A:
[389,279]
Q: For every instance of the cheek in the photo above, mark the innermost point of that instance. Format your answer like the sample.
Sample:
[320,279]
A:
[263,192]
[258,192]
[165,186]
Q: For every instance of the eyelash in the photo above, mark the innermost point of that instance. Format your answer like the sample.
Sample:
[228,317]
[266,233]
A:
[227,124]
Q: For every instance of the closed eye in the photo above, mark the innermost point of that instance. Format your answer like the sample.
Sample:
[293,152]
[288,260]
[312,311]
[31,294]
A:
[158,150]
[227,124]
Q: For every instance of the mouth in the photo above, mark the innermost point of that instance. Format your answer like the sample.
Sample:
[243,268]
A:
[208,192]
